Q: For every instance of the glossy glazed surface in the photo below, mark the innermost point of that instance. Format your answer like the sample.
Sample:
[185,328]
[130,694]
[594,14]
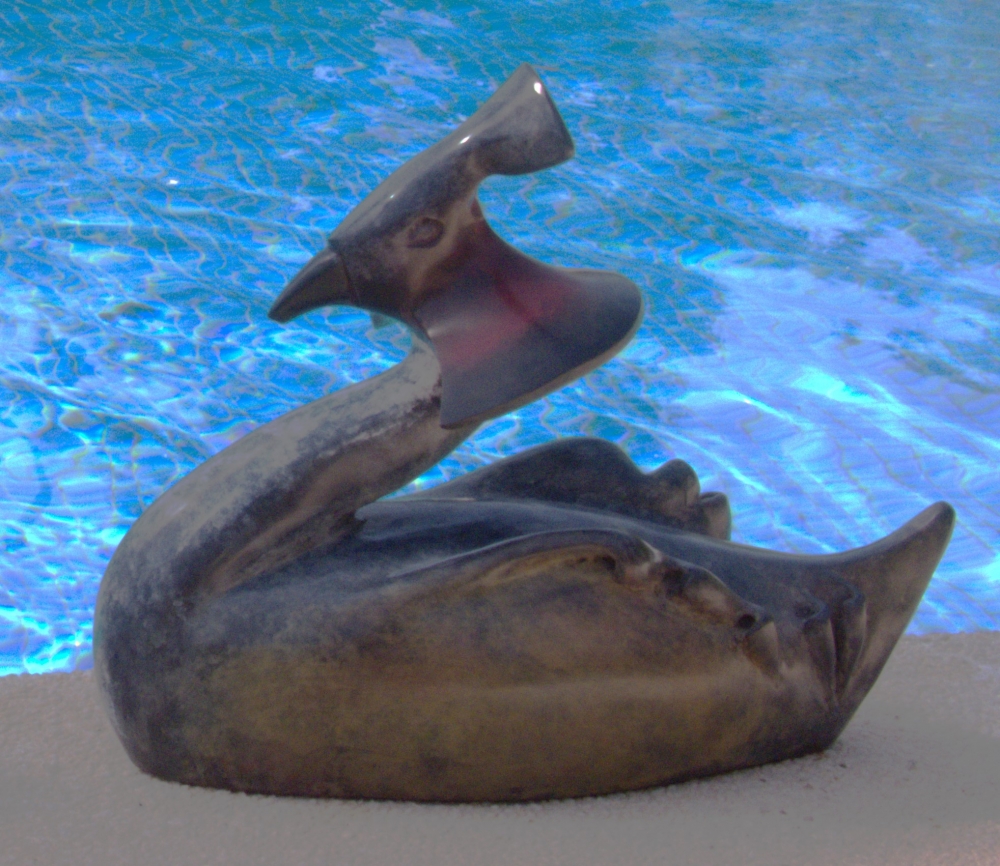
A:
[558,624]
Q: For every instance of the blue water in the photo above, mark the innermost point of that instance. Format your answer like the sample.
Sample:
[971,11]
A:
[807,194]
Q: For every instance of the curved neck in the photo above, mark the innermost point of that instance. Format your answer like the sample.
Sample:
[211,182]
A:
[290,485]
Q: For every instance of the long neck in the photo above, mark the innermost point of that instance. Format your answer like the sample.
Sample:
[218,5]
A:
[286,487]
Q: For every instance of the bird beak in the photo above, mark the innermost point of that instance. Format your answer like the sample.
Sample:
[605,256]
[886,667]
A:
[321,282]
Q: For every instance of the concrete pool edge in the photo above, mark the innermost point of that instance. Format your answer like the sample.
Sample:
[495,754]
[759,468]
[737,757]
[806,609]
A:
[915,779]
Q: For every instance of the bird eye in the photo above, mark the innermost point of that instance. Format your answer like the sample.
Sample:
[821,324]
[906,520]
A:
[425,232]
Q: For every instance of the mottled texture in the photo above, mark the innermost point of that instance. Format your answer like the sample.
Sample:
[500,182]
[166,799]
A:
[556,625]
[484,644]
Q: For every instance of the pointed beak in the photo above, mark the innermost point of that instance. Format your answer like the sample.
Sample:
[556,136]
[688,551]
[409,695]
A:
[323,281]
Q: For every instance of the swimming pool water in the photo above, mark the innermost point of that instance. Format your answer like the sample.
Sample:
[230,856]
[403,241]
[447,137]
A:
[807,194]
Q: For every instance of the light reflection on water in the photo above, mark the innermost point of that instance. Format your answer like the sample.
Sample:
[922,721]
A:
[809,196]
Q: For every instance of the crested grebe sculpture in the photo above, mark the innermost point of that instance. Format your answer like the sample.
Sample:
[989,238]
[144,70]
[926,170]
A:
[556,624]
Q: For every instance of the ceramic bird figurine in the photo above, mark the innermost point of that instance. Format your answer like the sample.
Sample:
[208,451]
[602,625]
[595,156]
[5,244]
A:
[557,624]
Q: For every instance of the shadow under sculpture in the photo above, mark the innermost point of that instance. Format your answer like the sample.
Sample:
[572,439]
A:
[556,624]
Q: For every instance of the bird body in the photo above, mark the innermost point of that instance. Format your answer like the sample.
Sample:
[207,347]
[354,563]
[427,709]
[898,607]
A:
[556,624]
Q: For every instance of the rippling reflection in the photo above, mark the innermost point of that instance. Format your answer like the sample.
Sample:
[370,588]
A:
[809,195]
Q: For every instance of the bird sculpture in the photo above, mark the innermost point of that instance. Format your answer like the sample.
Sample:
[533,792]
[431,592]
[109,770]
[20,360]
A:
[556,624]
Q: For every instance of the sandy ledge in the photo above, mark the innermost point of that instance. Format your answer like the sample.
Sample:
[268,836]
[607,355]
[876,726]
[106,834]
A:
[914,780]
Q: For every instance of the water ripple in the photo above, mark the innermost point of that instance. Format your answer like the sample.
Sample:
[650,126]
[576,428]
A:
[808,195]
